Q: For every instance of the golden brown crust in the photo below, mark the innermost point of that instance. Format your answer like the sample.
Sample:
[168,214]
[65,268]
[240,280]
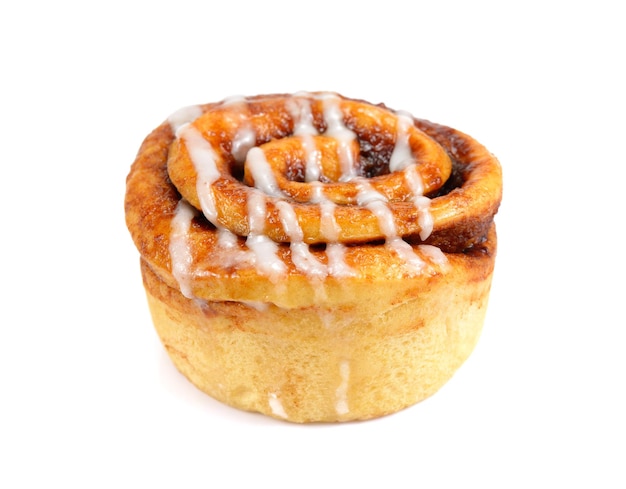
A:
[379,333]
[462,215]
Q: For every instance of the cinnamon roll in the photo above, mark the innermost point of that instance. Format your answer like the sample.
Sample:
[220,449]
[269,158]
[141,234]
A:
[313,257]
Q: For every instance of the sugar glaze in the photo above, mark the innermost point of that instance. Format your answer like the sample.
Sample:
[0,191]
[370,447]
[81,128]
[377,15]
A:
[263,252]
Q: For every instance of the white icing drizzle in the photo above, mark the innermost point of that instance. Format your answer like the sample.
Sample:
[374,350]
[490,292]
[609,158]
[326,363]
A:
[262,173]
[341,393]
[425,218]
[393,241]
[180,251]
[367,194]
[337,266]
[377,205]
[244,140]
[303,128]
[226,238]
[420,201]
[302,117]
[335,252]
[264,249]
[402,160]
[245,135]
[434,254]
[256,212]
[276,406]
[333,116]
[204,160]
[328,225]
[234,99]
[183,116]
[266,256]
[301,255]
[313,167]
[405,251]
[402,156]
[385,218]
[289,220]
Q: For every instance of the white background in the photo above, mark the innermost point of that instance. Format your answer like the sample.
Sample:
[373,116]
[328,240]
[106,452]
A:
[88,397]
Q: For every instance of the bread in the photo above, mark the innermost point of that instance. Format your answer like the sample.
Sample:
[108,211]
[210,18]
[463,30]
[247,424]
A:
[312,257]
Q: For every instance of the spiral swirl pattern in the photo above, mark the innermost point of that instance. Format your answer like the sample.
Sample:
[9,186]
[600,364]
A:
[302,154]
[297,171]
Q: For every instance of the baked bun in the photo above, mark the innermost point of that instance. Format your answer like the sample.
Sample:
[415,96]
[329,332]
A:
[312,257]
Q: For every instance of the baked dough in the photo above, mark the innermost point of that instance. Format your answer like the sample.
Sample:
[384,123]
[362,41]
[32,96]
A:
[312,257]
